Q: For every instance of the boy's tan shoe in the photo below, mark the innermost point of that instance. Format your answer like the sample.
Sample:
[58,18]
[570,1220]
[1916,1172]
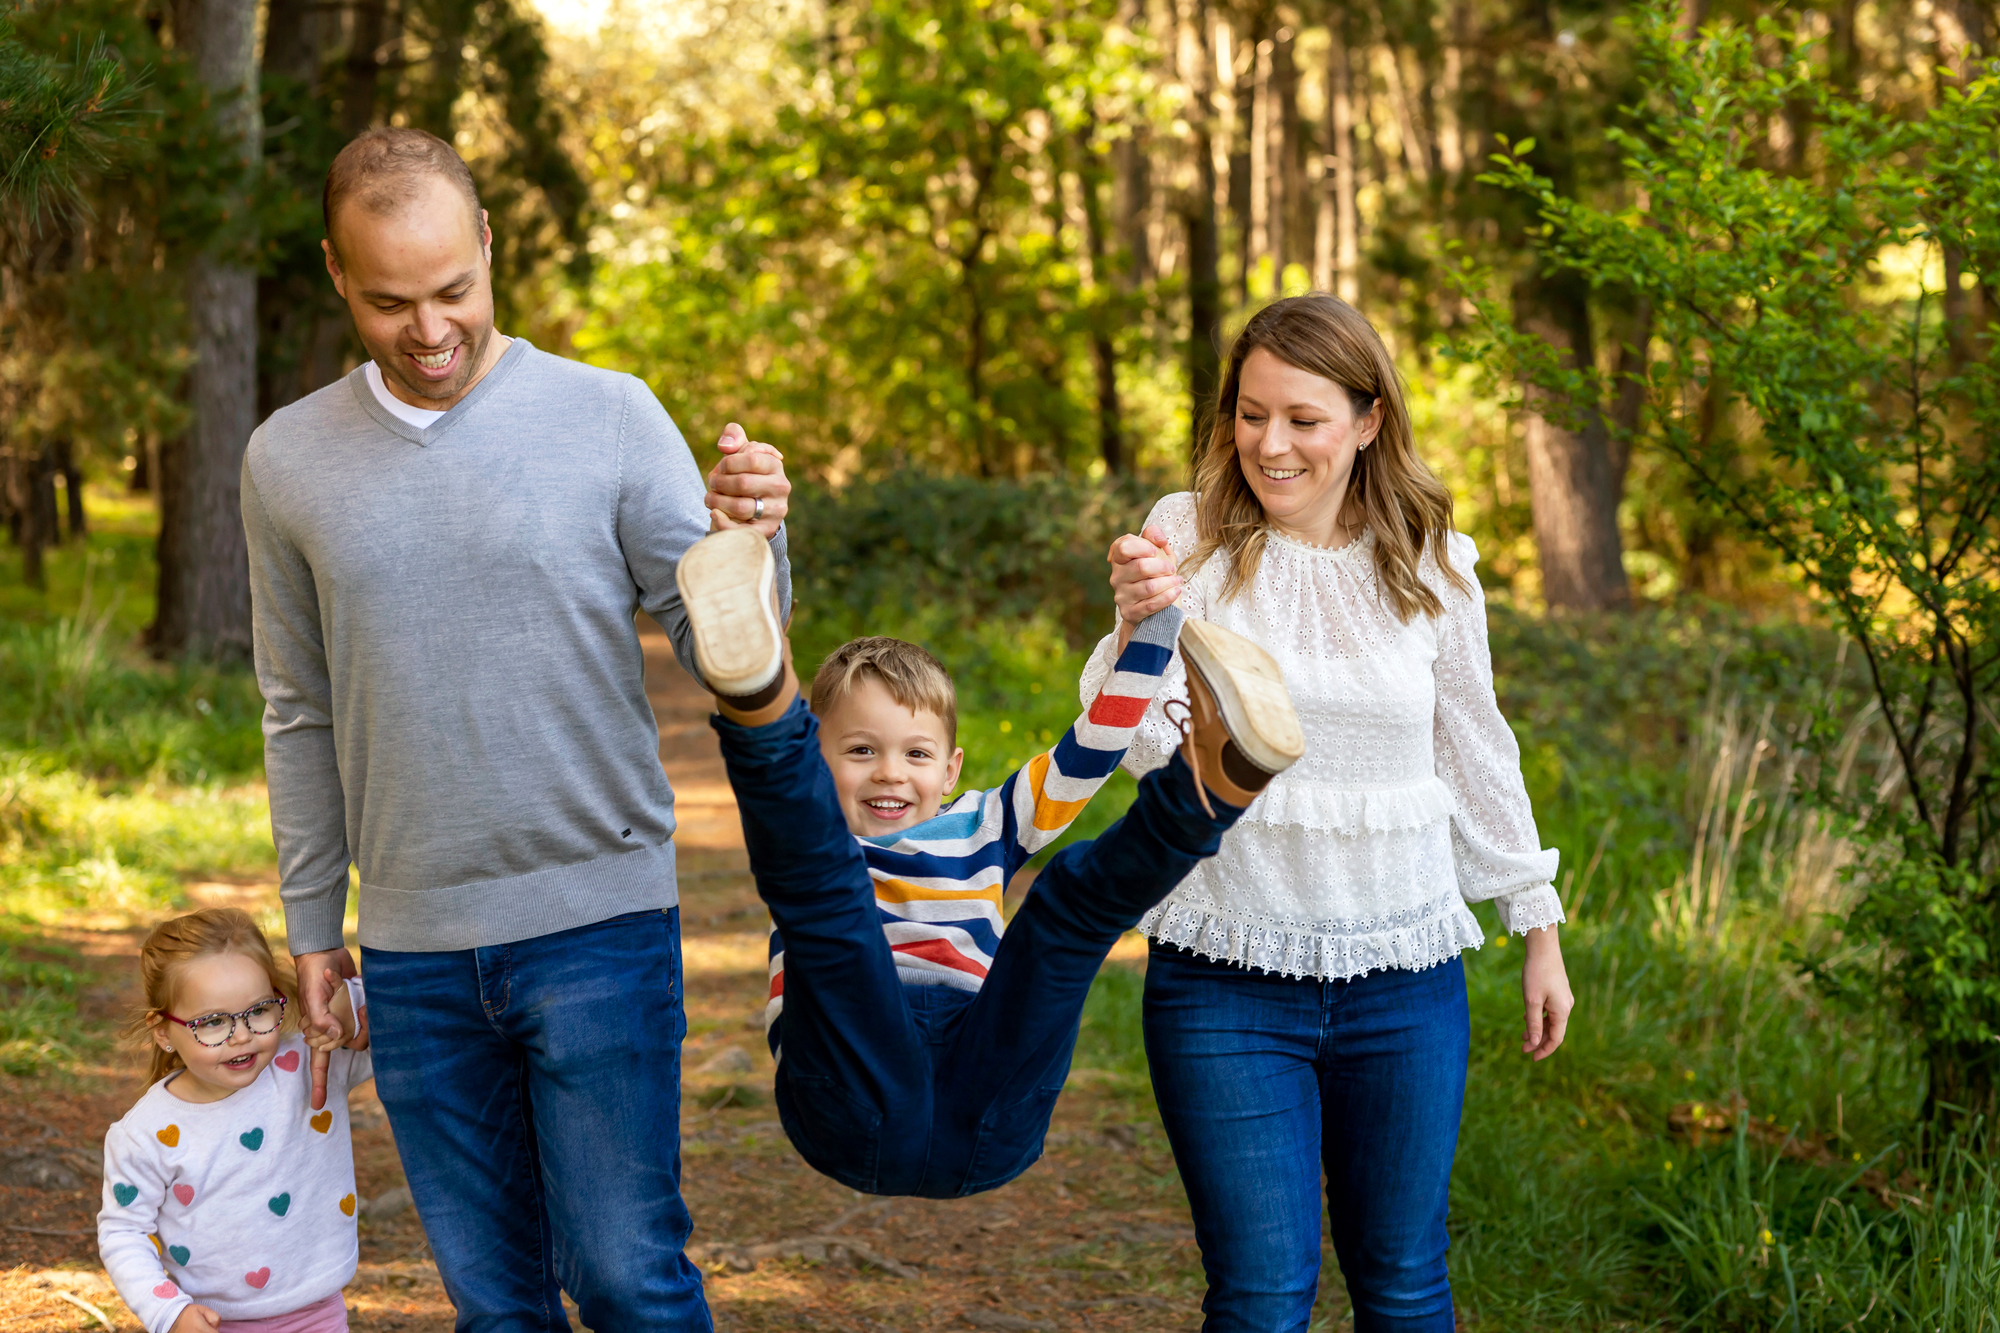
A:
[1242,728]
[728,583]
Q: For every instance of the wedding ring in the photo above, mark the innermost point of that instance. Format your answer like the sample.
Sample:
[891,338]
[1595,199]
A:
[757,512]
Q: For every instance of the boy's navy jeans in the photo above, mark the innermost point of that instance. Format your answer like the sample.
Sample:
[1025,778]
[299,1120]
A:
[1263,1079]
[928,1090]
[534,1089]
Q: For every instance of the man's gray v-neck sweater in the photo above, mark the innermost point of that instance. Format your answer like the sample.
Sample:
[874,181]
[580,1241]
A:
[455,695]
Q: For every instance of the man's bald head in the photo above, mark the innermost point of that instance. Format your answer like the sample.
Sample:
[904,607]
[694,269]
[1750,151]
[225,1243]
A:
[388,168]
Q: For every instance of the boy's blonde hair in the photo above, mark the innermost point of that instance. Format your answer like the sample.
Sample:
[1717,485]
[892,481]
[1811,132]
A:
[175,944]
[913,678]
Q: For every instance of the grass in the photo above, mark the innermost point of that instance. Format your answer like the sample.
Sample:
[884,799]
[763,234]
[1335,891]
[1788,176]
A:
[1660,749]
[120,777]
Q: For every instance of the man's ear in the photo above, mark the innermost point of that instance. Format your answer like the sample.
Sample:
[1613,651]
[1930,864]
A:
[485,239]
[333,269]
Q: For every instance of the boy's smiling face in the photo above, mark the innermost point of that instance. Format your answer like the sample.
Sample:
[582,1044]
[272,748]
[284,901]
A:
[891,767]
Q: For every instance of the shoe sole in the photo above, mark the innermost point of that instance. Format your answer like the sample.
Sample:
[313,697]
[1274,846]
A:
[726,581]
[1249,691]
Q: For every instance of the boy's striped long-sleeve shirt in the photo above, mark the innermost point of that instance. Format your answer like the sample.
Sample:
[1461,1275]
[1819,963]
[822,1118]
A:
[938,885]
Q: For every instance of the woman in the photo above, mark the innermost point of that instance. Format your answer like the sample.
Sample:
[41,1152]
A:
[1304,995]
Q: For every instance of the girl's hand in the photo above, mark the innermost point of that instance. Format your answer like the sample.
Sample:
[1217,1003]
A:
[1545,991]
[319,977]
[196,1319]
[1144,578]
[349,1029]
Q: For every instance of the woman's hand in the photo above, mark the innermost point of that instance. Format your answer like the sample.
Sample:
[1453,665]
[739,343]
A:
[1545,990]
[1144,578]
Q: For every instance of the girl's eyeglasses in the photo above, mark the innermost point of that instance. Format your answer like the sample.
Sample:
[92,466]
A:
[261,1018]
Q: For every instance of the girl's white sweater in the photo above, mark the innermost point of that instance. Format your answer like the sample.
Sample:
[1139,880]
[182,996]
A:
[245,1205]
[1409,802]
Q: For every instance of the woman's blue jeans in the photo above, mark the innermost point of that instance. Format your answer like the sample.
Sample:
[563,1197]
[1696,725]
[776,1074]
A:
[1263,1079]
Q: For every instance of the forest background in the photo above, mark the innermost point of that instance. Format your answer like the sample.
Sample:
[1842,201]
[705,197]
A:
[1691,304]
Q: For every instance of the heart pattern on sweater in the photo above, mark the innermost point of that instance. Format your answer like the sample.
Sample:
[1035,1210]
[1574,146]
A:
[185,1193]
[258,1278]
[171,1136]
[253,1140]
[166,1291]
[124,1194]
[288,1061]
[279,1204]
[181,1254]
[347,1205]
[322,1122]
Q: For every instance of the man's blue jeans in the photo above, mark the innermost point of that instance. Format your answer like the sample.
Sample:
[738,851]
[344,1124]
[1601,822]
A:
[534,1089]
[1262,1079]
[927,1090]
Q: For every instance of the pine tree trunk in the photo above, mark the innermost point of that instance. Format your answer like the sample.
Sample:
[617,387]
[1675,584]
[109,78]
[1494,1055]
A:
[364,66]
[1347,213]
[37,499]
[1573,475]
[204,601]
[1204,283]
[302,325]
[1260,156]
[1287,183]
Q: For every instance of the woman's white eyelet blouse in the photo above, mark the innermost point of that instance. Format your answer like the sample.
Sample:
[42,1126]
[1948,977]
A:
[1408,803]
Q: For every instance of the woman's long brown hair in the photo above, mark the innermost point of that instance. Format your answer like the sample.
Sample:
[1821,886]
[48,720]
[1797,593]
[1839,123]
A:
[1398,497]
[176,943]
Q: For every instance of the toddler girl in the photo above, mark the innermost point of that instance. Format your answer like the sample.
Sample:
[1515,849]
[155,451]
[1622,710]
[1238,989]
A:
[228,1203]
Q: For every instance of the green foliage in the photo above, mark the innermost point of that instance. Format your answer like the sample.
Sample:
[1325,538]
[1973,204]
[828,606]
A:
[1865,411]
[1006,550]
[899,267]
[119,777]
[57,122]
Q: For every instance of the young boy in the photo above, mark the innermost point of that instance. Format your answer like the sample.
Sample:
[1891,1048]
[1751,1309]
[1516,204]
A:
[919,1052]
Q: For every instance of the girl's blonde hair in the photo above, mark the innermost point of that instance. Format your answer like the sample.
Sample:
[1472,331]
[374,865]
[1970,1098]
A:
[1398,496]
[185,939]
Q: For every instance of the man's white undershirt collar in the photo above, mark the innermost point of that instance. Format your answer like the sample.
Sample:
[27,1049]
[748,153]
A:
[402,411]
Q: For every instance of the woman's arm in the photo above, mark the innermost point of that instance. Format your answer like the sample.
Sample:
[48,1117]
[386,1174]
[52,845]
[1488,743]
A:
[1168,527]
[1495,846]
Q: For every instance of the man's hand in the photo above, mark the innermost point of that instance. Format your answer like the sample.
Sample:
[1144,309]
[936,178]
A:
[353,1027]
[319,974]
[749,471]
[1144,578]
[196,1319]
[1545,991]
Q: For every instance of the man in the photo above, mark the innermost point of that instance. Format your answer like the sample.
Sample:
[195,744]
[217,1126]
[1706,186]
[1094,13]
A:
[447,548]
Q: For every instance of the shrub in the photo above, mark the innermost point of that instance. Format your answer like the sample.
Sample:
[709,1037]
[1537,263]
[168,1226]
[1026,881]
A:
[1844,423]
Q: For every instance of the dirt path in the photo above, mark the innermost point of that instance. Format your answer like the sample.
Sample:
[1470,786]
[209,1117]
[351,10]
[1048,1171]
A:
[1095,1236]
